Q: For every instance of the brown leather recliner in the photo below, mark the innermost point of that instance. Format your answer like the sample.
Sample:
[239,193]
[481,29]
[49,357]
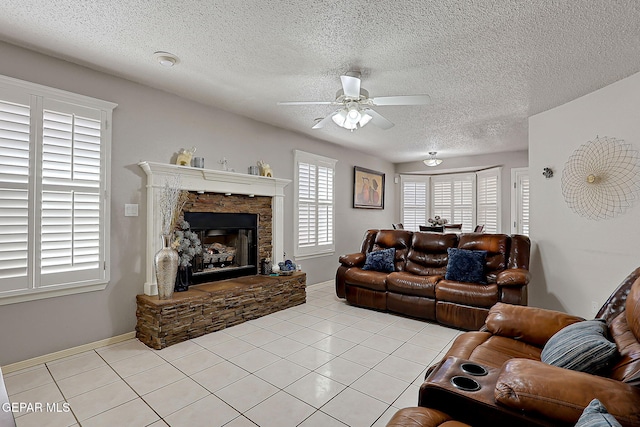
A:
[417,286]
[512,342]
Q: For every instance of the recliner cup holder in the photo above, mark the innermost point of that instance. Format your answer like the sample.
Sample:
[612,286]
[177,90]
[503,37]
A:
[474,369]
[465,383]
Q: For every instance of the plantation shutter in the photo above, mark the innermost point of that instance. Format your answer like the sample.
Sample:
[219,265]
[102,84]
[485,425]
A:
[488,196]
[306,204]
[314,204]
[54,167]
[414,202]
[71,220]
[15,123]
[453,198]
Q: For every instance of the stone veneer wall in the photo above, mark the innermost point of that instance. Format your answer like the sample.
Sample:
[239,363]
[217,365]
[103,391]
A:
[235,203]
[213,306]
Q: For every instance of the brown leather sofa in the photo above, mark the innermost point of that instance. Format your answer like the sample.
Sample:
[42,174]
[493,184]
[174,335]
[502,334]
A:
[417,287]
[511,344]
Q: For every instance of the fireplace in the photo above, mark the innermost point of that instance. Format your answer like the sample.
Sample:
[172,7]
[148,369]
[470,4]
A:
[224,192]
[229,245]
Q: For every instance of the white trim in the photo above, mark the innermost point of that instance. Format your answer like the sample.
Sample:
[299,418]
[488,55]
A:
[58,94]
[516,174]
[13,367]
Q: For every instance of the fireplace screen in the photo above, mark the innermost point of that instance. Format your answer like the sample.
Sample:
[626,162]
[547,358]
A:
[229,245]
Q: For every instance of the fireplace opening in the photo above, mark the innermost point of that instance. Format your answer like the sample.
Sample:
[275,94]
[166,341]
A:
[229,245]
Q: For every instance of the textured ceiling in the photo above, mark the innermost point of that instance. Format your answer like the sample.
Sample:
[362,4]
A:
[487,65]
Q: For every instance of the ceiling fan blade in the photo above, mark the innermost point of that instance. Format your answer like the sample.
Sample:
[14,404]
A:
[351,86]
[324,121]
[378,120]
[305,103]
[401,100]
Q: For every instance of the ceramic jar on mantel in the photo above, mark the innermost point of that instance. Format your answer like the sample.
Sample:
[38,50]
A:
[166,263]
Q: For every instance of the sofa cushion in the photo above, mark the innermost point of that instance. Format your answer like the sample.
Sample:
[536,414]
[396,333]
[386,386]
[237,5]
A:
[428,253]
[367,279]
[596,415]
[398,239]
[466,266]
[406,283]
[582,346]
[471,294]
[382,260]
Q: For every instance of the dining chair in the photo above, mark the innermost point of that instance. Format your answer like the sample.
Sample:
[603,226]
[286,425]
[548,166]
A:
[479,229]
[398,226]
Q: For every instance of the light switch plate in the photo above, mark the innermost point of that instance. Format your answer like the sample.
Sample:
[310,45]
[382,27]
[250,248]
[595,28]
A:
[130,210]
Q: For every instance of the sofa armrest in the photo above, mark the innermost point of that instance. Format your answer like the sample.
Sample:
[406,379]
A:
[529,324]
[562,394]
[353,260]
[513,277]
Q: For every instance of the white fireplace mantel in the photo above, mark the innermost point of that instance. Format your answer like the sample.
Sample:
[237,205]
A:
[213,181]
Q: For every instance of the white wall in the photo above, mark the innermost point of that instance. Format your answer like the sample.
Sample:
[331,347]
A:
[507,160]
[152,125]
[577,261]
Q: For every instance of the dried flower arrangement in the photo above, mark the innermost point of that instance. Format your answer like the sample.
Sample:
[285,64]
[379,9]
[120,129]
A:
[187,243]
[171,201]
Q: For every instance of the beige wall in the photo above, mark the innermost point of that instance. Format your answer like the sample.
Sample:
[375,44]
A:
[578,261]
[152,125]
[507,160]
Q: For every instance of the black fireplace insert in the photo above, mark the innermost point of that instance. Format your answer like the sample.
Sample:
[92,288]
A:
[229,245]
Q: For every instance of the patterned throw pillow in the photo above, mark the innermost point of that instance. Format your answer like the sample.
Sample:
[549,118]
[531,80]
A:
[596,415]
[581,346]
[382,260]
[465,265]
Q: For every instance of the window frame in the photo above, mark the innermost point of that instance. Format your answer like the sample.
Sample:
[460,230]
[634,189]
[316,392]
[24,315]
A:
[317,249]
[39,97]
[517,208]
[472,177]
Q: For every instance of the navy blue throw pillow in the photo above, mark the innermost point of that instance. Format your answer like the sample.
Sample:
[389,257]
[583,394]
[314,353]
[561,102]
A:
[382,260]
[465,265]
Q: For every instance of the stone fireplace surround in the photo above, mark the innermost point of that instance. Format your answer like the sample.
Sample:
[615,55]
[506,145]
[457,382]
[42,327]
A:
[217,191]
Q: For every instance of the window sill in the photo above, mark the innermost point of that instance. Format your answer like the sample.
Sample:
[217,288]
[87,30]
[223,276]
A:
[314,255]
[38,294]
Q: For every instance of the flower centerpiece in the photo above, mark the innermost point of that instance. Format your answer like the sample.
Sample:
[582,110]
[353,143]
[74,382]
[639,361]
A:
[188,245]
[437,221]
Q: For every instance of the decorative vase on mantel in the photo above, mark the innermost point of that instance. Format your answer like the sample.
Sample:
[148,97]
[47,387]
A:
[166,263]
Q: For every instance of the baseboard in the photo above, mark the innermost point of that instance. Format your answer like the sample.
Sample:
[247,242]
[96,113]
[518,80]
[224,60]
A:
[65,353]
[328,282]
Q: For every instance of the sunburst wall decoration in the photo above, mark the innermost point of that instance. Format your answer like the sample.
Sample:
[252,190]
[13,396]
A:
[601,179]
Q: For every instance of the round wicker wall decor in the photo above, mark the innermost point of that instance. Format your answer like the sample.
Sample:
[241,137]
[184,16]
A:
[601,179]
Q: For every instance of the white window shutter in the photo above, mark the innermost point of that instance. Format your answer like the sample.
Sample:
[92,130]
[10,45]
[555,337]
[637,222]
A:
[488,194]
[54,160]
[414,201]
[15,123]
[314,204]
[453,198]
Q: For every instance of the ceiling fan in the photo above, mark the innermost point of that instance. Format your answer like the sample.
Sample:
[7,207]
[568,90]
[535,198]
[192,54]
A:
[355,105]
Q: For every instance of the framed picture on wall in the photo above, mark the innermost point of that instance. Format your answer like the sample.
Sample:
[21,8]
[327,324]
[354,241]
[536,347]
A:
[368,188]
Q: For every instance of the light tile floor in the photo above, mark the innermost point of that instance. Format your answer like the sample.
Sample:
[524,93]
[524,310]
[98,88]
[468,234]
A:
[321,364]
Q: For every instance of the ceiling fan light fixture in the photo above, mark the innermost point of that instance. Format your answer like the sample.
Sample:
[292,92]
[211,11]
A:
[432,160]
[366,118]
[340,118]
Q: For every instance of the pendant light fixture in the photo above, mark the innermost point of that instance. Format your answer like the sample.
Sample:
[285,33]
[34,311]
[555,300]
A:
[432,160]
